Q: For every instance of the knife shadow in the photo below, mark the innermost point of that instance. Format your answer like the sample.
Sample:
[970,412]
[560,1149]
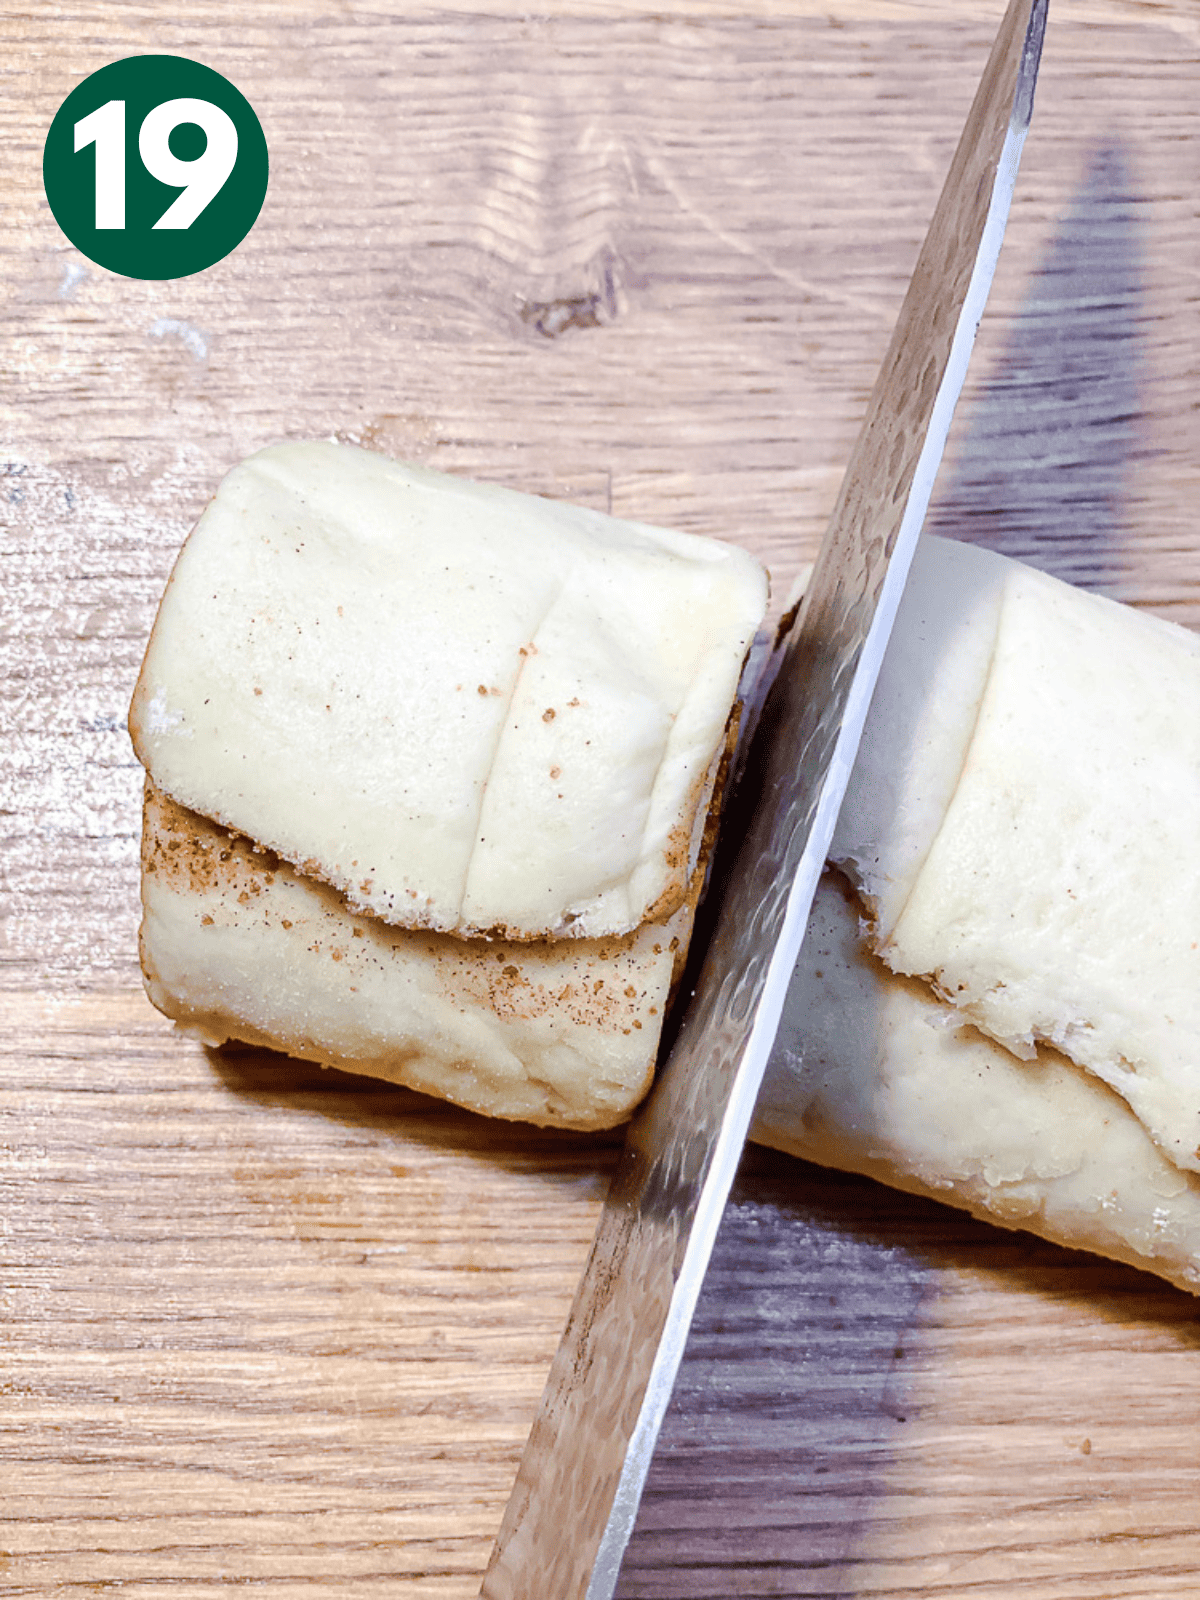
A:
[1045,448]
[792,1397]
[832,1315]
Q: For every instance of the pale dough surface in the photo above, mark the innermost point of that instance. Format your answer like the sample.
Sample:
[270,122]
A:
[1033,848]
[467,709]
[922,717]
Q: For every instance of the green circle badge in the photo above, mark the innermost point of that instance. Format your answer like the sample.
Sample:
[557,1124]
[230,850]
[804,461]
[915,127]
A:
[155,167]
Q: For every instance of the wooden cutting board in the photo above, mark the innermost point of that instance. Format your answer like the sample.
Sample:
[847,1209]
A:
[272,1326]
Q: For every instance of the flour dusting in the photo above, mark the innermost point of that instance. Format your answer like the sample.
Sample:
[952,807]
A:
[193,339]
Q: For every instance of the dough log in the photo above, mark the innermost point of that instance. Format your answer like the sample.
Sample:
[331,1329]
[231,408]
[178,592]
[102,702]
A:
[432,772]
[1006,1013]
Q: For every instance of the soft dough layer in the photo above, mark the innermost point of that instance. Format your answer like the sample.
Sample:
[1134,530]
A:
[236,945]
[467,709]
[922,717]
[872,1073]
[1029,841]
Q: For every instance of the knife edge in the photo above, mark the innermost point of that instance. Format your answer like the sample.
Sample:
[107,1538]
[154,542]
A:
[568,1522]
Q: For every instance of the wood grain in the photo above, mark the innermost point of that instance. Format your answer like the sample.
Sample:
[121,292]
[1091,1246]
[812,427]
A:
[266,1325]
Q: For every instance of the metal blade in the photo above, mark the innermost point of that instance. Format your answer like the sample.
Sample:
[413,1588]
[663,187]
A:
[577,1490]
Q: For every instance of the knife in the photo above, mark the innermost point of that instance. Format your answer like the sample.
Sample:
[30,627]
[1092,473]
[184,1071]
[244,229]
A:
[580,1480]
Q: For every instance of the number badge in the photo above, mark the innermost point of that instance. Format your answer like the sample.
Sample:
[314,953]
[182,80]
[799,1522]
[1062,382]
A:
[155,167]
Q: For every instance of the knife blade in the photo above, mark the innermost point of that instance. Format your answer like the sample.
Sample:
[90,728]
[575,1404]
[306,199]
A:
[581,1476]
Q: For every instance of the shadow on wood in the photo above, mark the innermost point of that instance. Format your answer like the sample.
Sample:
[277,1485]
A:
[1046,455]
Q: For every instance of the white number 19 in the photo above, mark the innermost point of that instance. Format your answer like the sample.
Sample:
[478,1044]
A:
[200,179]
